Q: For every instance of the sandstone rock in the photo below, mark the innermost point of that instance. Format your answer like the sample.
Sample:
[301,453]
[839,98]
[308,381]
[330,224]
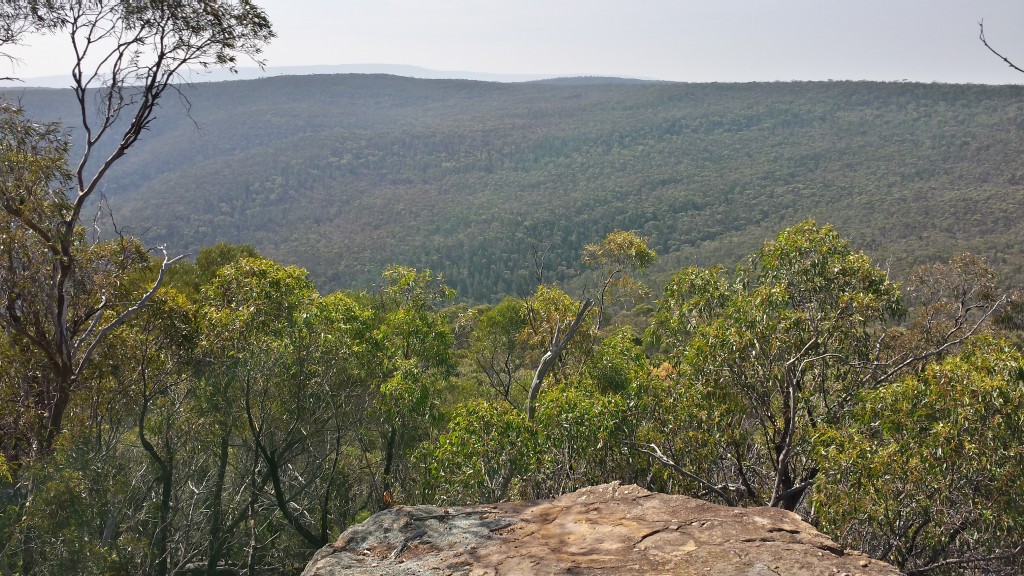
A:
[608,529]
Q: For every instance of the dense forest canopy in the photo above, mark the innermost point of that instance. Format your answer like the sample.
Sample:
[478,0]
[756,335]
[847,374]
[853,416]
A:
[346,174]
[244,419]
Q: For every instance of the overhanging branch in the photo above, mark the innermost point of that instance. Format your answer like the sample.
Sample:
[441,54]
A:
[123,316]
[981,36]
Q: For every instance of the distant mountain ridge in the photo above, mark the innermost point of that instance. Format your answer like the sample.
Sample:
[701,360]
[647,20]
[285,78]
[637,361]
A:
[495,184]
[255,73]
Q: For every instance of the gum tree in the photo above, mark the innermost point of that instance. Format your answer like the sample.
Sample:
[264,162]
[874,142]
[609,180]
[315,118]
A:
[62,293]
[771,354]
[769,358]
[57,285]
[928,472]
[615,257]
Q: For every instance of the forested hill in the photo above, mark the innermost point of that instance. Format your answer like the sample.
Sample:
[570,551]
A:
[344,174]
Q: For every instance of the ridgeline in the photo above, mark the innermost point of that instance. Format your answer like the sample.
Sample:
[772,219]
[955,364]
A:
[485,182]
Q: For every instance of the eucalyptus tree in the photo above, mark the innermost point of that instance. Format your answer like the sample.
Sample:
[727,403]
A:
[490,445]
[56,285]
[618,254]
[279,360]
[768,356]
[927,473]
[497,351]
[413,361]
[767,359]
[64,292]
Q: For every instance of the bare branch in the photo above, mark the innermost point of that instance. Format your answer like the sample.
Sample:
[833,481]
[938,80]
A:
[121,318]
[981,36]
[551,356]
[971,331]
[654,452]
[966,561]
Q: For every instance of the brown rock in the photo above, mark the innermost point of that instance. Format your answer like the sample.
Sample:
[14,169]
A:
[608,529]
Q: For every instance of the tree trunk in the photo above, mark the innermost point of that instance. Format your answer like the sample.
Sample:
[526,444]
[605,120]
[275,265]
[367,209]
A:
[551,356]
[217,507]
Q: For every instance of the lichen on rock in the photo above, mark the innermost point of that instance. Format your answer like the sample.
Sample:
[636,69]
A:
[609,529]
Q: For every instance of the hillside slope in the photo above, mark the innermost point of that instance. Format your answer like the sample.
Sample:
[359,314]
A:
[344,174]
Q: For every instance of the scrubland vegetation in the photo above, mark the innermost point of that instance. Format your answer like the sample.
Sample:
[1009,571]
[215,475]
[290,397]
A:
[242,419]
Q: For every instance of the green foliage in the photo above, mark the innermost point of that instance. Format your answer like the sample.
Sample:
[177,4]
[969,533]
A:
[252,299]
[617,362]
[485,446]
[34,158]
[189,277]
[581,435]
[497,350]
[549,310]
[618,254]
[296,362]
[775,353]
[410,321]
[620,249]
[414,362]
[814,268]
[930,468]
[584,417]
[72,541]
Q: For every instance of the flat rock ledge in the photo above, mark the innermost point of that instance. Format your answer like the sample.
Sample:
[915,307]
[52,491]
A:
[608,529]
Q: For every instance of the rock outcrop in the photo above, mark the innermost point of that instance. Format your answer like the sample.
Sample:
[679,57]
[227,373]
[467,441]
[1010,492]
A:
[608,529]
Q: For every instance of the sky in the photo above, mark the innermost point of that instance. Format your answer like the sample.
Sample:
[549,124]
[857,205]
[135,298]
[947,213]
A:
[678,40]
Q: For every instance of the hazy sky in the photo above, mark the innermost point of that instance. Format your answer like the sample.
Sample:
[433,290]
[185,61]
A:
[685,40]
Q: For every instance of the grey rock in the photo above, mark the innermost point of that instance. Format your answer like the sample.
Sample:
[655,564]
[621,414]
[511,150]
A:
[609,529]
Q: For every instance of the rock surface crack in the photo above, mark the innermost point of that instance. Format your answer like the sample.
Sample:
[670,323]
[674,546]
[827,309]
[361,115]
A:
[651,533]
